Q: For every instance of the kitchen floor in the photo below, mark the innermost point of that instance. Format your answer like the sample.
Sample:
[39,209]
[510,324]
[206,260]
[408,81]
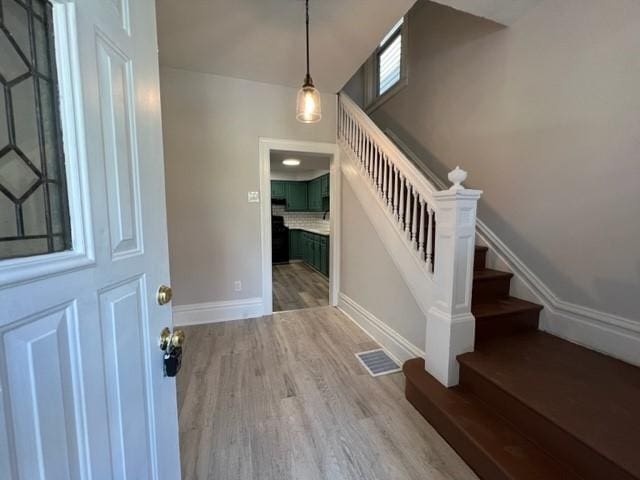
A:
[297,286]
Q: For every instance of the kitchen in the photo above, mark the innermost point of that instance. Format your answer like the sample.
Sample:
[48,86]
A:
[300,186]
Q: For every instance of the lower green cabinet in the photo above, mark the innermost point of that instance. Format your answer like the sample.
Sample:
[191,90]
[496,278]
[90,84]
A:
[312,248]
[295,244]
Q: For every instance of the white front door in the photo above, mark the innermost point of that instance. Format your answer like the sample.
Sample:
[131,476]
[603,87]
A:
[83,244]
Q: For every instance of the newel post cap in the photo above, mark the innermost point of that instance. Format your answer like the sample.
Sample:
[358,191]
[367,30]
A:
[457,176]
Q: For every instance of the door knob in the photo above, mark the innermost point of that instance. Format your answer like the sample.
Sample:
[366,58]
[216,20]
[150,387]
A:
[164,295]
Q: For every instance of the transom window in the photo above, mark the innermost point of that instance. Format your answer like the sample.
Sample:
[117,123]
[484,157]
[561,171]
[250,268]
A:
[34,214]
[385,73]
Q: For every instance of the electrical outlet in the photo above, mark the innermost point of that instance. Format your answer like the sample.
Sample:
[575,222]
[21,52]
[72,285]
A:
[253,197]
[237,286]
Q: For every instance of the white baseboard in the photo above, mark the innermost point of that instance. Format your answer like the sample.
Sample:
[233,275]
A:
[215,312]
[398,347]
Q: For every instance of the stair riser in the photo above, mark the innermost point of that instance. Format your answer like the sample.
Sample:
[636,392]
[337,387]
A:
[480,260]
[488,328]
[564,447]
[485,291]
[482,465]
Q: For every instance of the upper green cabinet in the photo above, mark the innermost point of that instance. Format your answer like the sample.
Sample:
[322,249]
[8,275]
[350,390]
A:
[315,195]
[278,189]
[324,185]
[311,196]
[297,196]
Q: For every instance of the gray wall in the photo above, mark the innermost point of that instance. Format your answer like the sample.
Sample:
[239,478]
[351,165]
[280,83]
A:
[211,127]
[369,276]
[545,117]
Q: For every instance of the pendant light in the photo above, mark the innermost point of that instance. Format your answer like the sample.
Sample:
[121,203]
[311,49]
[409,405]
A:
[308,109]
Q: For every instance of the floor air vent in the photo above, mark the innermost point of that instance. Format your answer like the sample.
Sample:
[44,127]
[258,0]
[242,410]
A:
[377,362]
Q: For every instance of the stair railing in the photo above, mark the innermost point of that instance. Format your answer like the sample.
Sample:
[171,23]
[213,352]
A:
[438,226]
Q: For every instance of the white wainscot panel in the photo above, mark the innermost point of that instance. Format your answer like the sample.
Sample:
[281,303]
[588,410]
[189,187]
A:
[115,78]
[40,388]
[122,317]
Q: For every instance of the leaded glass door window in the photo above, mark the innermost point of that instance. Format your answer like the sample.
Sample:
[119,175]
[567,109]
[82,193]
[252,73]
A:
[34,214]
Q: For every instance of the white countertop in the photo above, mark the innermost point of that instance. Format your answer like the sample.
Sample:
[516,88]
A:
[319,231]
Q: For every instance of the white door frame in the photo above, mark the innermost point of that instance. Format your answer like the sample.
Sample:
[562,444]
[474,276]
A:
[266,146]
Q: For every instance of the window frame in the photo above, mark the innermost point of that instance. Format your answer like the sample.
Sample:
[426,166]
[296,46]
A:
[14,271]
[372,98]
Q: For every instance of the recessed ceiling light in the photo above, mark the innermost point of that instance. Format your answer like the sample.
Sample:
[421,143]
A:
[291,162]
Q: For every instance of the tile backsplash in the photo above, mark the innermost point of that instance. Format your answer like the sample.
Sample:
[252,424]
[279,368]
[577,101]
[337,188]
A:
[301,219]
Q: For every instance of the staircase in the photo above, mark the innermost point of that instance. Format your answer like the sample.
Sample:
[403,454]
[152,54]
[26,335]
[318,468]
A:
[514,402]
[530,405]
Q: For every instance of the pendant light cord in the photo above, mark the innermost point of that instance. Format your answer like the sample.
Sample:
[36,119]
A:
[308,78]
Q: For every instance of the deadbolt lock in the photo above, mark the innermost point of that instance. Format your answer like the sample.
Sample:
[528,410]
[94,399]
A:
[164,295]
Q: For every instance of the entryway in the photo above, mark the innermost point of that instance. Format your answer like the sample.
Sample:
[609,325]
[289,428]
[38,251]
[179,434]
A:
[300,203]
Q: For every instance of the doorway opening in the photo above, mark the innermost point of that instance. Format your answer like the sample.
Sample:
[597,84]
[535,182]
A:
[300,200]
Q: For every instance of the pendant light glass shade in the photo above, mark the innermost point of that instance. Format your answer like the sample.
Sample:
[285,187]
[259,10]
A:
[309,108]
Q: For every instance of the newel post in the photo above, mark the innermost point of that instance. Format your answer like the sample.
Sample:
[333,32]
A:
[450,324]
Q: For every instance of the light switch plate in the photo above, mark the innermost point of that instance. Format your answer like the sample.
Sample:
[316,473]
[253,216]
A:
[254,197]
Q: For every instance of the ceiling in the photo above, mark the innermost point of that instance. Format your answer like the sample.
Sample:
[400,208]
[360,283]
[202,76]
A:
[309,162]
[263,40]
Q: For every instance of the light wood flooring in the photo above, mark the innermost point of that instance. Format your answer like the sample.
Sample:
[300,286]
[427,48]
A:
[284,397]
[296,286]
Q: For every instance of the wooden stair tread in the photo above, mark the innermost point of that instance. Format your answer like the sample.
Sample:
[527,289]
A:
[481,248]
[503,306]
[488,443]
[592,397]
[489,274]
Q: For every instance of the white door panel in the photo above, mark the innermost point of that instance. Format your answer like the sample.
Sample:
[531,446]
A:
[82,394]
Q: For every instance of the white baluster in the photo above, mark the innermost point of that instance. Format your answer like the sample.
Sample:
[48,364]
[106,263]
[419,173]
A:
[396,195]
[430,239]
[421,231]
[402,187]
[369,149]
[385,183]
[378,169]
[414,225]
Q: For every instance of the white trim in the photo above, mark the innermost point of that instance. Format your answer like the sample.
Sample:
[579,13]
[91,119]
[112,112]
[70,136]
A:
[215,312]
[396,346]
[605,332]
[19,270]
[265,147]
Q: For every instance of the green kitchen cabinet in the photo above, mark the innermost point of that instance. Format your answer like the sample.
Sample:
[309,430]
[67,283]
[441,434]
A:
[278,189]
[297,196]
[314,251]
[324,185]
[295,244]
[324,256]
[315,195]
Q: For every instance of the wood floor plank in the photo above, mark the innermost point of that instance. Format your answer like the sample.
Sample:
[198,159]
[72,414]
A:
[297,286]
[283,397]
